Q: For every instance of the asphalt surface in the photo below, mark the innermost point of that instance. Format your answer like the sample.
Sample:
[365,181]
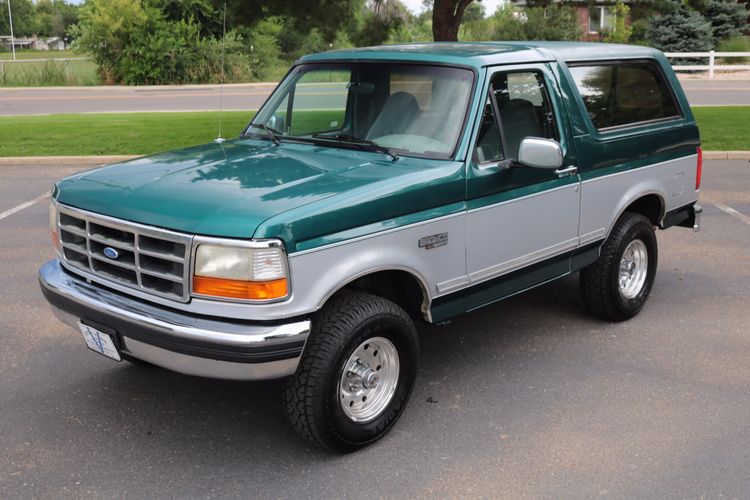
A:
[243,97]
[528,398]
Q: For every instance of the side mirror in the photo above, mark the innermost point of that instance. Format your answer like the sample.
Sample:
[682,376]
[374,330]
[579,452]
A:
[540,153]
[276,122]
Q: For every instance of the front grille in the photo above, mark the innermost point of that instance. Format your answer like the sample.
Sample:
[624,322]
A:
[153,260]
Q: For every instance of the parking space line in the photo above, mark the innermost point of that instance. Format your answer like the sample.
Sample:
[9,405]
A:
[20,207]
[728,210]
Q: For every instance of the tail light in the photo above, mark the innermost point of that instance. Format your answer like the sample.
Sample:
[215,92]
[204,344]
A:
[699,169]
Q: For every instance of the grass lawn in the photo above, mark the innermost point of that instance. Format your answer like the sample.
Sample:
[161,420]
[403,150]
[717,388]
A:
[39,54]
[113,133]
[722,128]
[46,73]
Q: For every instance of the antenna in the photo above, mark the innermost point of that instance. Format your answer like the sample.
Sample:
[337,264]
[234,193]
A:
[220,139]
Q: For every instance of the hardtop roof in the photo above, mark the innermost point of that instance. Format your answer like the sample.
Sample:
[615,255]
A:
[479,54]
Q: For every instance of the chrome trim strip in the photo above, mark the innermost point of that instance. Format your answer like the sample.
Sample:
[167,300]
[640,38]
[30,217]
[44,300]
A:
[138,231]
[523,261]
[237,334]
[193,365]
[212,368]
[592,236]
[452,285]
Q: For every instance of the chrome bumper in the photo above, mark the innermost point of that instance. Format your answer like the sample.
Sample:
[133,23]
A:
[193,345]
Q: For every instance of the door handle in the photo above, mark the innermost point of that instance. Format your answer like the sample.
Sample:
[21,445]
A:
[569,170]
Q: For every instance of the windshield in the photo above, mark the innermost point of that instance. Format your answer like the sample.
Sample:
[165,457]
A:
[409,109]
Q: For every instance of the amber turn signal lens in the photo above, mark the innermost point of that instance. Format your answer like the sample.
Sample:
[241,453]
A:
[237,289]
[55,240]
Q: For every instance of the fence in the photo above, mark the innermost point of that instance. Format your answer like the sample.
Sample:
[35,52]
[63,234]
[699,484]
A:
[711,66]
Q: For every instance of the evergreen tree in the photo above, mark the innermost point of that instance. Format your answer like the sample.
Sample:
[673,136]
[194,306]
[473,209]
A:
[727,17]
[683,30]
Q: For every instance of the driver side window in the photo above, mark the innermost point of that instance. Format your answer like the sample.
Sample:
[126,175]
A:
[518,107]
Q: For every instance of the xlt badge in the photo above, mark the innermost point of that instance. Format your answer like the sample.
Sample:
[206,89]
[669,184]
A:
[433,241]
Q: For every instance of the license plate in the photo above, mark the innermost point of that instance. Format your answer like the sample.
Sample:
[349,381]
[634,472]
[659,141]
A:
[99,342]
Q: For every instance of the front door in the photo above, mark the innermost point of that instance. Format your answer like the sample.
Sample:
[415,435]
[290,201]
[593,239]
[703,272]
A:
[522,222]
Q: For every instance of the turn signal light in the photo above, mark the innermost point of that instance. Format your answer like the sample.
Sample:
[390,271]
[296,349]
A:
[699,169]
[238,289]
[55,240]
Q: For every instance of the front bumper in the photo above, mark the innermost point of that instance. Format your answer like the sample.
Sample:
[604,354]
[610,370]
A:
[189,344]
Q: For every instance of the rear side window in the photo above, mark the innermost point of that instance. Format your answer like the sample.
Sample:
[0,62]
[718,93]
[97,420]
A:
[620,94]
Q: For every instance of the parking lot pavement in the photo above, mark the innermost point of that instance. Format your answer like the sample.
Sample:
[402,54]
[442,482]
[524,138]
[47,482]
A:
[527,398]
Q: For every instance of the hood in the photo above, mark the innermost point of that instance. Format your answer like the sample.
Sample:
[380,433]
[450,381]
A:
[223,189]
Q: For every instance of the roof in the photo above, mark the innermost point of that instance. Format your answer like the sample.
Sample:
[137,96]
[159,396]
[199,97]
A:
[478,54]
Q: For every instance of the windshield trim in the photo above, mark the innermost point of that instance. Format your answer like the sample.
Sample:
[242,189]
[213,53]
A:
[432,156]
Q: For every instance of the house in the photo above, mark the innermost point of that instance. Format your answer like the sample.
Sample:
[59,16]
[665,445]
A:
[34,43]
[17,43]
[595,17]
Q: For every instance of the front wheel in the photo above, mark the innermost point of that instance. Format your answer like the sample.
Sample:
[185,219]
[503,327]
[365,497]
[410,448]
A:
[356,374]
[617,285]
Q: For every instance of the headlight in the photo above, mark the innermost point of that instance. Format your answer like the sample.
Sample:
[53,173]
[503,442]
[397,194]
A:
[240,272]
[53,226]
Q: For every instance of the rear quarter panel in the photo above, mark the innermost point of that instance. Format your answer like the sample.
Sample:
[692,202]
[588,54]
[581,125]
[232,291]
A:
[619,166]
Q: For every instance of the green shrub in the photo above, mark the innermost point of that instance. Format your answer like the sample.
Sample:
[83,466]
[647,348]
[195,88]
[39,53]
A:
[263,41]
[622,30]
[736,44]
[138,45]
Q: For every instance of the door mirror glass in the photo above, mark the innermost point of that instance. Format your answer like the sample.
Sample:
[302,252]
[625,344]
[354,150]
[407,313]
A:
[276,122]
[540,153]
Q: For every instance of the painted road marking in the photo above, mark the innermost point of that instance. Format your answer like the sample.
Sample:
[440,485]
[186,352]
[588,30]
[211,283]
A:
[20,207]
[728,210]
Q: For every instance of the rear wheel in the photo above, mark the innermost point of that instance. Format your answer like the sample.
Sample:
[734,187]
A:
[356,374]
[617,285]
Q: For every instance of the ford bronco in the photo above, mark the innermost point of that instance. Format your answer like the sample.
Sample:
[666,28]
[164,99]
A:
[375,188]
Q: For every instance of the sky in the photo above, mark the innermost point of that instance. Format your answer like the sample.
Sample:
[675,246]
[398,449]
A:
[416,6]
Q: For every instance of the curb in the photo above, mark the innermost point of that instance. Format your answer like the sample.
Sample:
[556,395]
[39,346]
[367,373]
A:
[103,160]
[726,155]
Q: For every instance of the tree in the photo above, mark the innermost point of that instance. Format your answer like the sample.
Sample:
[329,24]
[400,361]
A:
[622,30]
[728,18]
[683,30]
[325,15]
[446,19]
[378,23]
[24,19]
[106,28]
[54,17]
[474,12]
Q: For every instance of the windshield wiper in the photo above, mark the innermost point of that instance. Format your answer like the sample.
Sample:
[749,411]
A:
[364,143]
[270,132]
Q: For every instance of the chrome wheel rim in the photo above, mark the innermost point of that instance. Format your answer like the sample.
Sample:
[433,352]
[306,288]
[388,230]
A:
[633,269]
[369,380]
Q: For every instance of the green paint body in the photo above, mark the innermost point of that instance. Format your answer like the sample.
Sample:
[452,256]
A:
[311,195]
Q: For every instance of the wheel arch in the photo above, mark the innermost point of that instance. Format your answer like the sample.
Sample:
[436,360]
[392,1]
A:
[651,204]
[400,284]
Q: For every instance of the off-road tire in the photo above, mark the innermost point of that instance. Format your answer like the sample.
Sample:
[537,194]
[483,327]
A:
[600,290]
[312,394]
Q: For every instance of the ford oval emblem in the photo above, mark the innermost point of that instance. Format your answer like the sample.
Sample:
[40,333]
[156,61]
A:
[111,252]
